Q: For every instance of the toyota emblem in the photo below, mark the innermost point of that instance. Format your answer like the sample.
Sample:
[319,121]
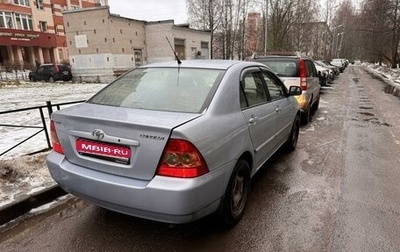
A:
[98,134]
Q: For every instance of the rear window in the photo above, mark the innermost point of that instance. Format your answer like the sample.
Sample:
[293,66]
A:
[63,67]
[282,67]
[164,89]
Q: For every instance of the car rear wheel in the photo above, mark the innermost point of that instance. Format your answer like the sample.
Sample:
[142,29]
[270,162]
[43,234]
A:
[291,142]
[237,193]
[306,118]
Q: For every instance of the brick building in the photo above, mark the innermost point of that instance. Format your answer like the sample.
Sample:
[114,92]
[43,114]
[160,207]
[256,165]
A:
[33,31]
[103,45]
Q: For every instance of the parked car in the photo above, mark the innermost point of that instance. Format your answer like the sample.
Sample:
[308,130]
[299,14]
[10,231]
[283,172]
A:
[296,71]
[324,63]
[340,63]
[325,75]
[175,142]
[51,72]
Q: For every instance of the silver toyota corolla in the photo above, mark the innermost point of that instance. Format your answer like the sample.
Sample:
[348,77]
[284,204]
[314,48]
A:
[174,142]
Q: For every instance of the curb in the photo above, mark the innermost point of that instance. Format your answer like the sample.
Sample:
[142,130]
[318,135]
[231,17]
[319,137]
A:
[393,87]
[13,210]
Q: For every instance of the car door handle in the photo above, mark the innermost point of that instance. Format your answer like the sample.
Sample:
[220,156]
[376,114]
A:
[253,119]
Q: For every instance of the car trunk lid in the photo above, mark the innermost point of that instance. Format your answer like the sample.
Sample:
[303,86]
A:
[121,141]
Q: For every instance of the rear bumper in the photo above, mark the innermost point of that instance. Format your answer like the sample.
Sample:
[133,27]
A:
[164,199]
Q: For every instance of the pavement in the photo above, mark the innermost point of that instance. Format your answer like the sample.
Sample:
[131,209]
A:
[20,207]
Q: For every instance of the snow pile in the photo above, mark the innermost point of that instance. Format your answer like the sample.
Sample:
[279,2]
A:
[22,174]
[392,74]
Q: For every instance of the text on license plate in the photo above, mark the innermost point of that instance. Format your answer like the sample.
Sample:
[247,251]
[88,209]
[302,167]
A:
[112,152]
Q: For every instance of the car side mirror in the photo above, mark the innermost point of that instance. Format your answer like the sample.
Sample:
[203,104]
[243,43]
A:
[294,90]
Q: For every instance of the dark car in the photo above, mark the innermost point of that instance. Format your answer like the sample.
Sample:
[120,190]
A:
[51,72]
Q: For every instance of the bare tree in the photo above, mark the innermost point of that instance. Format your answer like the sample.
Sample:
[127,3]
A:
[204,14]
[373,30]
[286,19]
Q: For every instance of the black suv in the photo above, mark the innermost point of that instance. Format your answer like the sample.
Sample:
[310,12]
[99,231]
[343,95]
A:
[51,72]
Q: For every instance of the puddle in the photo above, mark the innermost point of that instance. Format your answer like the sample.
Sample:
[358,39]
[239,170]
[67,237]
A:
[366,113]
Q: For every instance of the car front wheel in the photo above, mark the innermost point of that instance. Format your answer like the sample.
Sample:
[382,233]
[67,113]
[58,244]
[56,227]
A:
[237,193]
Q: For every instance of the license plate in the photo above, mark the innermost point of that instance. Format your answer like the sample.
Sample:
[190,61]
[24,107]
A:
[65,72]
[107,151]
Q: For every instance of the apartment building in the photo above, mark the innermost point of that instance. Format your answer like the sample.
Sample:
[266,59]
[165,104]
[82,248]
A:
[32,31]
[103,45]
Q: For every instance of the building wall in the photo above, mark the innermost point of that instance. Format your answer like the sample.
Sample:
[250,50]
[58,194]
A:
[103,45]
[160,50]
[23,48]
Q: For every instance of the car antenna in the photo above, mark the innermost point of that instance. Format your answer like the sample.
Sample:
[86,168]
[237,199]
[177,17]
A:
[176,55]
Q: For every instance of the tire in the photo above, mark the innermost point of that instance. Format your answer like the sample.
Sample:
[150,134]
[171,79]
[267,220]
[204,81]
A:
[236,194]
[291,142]
[316,105]
[307,115]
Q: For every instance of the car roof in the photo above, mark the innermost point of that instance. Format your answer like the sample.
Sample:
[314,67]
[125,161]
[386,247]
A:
[206,64]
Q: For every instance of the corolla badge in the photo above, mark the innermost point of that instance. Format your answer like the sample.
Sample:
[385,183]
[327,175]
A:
[98,134]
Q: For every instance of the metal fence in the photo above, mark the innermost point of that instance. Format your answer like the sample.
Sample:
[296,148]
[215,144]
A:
[43,128]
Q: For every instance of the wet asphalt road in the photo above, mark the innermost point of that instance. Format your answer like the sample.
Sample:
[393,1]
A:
[339,191]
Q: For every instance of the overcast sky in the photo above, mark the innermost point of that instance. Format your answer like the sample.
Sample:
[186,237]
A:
[150,10]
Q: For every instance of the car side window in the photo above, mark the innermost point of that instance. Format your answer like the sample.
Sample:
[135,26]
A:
[311,72]
[276,89]
[252,91]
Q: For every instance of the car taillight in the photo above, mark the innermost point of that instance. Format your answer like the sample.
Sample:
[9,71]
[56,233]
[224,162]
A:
[303,75]
[181,159]
[54,139]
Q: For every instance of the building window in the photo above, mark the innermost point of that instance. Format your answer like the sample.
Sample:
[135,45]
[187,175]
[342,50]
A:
[22,2]
[6,20]
[114,40]
[39,4]
[52,9]
[23,22]
[94,31]
[43,26]
[84,22]
[120,31]
[123,49]
[97,50]
[56,29]
[60,54]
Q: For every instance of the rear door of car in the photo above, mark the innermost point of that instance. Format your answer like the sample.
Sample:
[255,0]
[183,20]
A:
[259,113]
